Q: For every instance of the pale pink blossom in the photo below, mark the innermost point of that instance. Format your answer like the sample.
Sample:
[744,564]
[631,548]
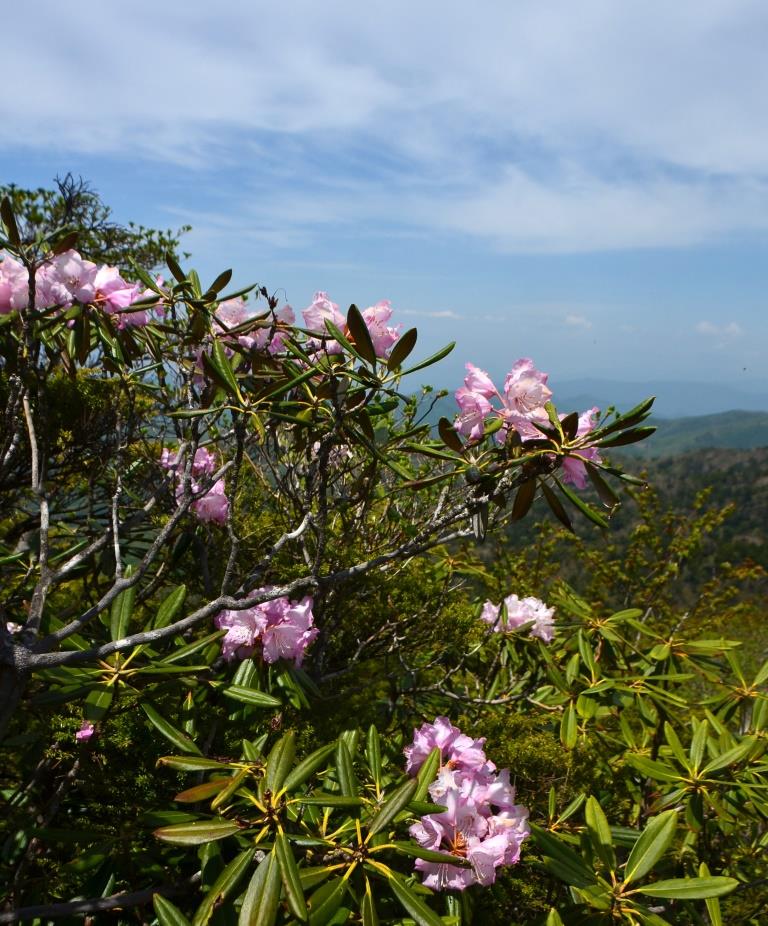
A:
[320,310]
[14,283]
[574,470]
[478,380]
[278,629]
[481,824]
[85,732]
[525,390]
[519,612]
[382,335]
[70,278]
[474,408]
[213,507]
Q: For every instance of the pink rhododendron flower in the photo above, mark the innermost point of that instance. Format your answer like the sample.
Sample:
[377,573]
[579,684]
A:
[280,628]
[13,285]
[13,627]
[574,470]
[382,336]
[85,732]
[474,408]
[482,824]
[270,332]
[479,381]
[321,310]
[520,611]
[525,389]
[71,278]
[213,506]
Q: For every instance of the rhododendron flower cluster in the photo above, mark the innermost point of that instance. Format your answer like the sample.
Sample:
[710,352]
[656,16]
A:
[279,629]
[517,612]
[68,278]
[521,403]
[376,317]
[481,824]
[213,505]
[270,334]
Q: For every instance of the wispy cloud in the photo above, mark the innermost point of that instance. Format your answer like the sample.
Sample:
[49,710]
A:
[730,330]
[541,129]
[577,321]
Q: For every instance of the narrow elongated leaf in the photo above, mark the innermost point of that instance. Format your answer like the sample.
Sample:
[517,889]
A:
[121,611]
[180,740]
[98,702]
[413,850]
[251,696]
[368,907]
[600,833]
[652,769]
[557,507]
[651,845]
[9,220]
[345,770]
[233,784]
[326,901]
[562,860]
[373,754]
[197,833]
[202,792]
[607,496]
[170,607]
[577,501]
[402,349]
[191,763]
[280,761]
[523,500]
[168,914]
[289,871]
[730,757]
[307,767]
[223,367]
[435,358]
[220,282]
[223,886]
[359,330]
[262,896]
[173,266]
[449,436]
[427,773]
[690,888]
[628,437]
[397,802]
[411,903]
[329,800]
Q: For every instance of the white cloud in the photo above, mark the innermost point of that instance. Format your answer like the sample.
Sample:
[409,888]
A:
[730,330]
[539,127]
[578,321]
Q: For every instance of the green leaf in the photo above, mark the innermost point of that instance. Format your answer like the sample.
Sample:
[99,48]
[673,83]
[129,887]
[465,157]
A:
[223,367]
[373,754]
[329,800]
[307,767]
[220,282]
[427,773]
[280,761]
[262,896]
[201,792]
[170,607]
[449,436]
[412,850]
[600,833]
[360,334]
[730,757]
[569,727]
[368,908]
[435,358]
[168,914]
[553,918]
[712,903]
[173,266]
[412,904]
[398,801]
[197,833]
[98,702]
[561,860]
[232,785]
[191,763]
[326,901]
[523,500]
[651,845]
[690,888]
[556,506]
[628,437]
[9,220]
[251,696]
[121,611]
[345,770]
[180,740]
[289,872]
[402,349]
[575,499]
[652,769]
[607,496]
[223,886]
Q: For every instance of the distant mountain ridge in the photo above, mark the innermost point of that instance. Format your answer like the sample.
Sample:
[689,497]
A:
[728,430]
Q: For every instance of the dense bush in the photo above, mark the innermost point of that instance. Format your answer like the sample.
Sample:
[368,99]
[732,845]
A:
[266,655]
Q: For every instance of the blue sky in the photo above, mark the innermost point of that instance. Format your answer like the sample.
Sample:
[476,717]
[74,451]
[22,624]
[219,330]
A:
[583,183]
